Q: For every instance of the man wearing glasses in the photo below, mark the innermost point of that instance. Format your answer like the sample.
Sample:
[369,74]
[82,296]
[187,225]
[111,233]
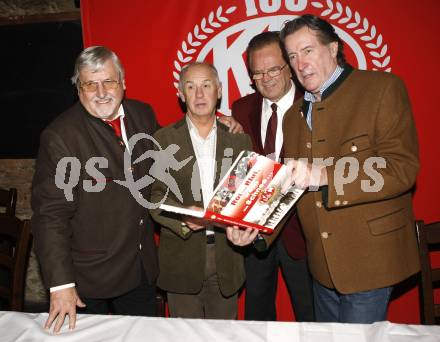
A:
[261,114]
[96,247]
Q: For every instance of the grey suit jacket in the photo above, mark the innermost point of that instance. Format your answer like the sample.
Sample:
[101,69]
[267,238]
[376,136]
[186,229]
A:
[182,256]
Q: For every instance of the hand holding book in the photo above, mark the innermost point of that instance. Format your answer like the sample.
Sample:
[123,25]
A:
[241,237]
[256,192]
[306,175]
[194,223]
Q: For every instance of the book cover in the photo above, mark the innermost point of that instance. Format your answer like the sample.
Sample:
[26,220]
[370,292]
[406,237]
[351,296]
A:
[256,192]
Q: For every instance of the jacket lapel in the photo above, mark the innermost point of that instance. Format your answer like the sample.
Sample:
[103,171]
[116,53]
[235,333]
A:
[140,147]
[183,138]
[220,151]
[191,173]
[255,115]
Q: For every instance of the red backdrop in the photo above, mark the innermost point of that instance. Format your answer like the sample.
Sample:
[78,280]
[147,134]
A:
[155,39]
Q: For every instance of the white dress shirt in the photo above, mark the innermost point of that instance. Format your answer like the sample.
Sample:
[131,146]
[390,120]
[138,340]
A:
[205,149]
[283,105]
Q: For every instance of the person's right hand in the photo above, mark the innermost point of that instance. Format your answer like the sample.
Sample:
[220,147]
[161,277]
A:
[306,175]
[63,302]
[241,237]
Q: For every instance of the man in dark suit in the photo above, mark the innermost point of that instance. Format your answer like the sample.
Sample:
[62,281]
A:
[261,115]
[199,268]
[93,239]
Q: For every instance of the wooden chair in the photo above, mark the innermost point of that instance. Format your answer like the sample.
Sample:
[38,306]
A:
[429,240]
[13,260]
[8,200]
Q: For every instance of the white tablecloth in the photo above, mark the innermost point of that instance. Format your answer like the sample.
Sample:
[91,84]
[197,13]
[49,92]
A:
[15,326]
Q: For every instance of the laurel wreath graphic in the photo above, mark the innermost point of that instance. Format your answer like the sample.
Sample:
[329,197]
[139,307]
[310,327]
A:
[194,38]
[333,10]
[361,27]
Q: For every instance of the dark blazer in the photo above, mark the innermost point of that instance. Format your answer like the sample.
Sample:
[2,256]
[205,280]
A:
[102,241]
[182,255]
[247,111]
[359,240]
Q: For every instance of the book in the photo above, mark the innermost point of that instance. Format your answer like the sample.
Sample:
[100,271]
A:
[256,192]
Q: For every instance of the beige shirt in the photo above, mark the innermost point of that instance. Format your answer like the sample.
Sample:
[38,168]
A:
[205,149]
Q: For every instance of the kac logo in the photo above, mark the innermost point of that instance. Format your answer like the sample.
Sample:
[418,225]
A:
[364,44]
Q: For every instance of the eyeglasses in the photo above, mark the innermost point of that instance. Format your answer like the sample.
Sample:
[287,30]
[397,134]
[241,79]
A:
[272,72]
[92,86]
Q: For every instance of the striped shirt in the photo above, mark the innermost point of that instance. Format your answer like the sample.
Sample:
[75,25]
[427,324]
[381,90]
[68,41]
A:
[311,98]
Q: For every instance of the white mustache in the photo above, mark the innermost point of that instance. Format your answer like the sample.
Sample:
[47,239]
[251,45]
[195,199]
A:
[106,98]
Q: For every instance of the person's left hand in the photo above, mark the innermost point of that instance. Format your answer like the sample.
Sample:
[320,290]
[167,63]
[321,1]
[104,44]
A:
[234,125]
[241,237]
[194,223]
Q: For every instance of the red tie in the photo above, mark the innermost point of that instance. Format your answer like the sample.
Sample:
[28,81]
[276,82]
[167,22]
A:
[116,125]
[271,132]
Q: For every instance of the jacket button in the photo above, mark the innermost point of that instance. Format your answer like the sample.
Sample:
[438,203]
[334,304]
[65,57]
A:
[324,235]
[130,169]
[141,222]
[318,204]
[140,246]
[353,148]
[309,145]
[337,202]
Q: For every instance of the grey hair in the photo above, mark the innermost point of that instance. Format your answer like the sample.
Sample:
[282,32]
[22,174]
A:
[94,58]
[325,32]
[190,65]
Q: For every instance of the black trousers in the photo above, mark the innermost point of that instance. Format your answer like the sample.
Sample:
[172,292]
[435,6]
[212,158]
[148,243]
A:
[140,301]
[262,281]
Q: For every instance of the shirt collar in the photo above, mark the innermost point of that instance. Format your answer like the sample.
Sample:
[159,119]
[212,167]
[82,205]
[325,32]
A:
[192,128]
[338,71]
[121,113]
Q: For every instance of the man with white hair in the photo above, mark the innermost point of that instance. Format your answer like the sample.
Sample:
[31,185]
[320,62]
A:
[96,245]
